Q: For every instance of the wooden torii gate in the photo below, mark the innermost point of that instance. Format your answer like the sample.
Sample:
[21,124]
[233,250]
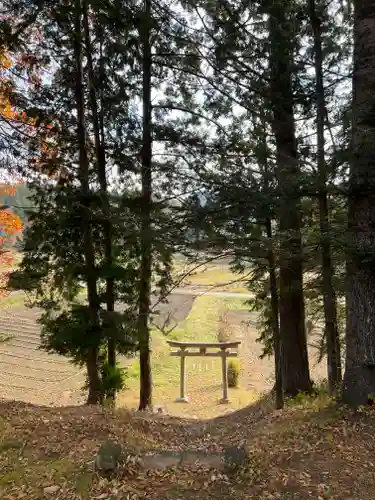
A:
[188,349]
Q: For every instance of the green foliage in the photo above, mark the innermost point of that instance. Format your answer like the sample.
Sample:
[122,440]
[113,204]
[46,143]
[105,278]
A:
[234,372]
[261,303]
[70,333]
[113,378]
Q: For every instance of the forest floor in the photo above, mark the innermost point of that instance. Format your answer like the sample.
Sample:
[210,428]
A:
[313,450]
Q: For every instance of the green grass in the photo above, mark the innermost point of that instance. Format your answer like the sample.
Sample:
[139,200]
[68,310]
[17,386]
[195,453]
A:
[10,444]
[201,325]
[219,277]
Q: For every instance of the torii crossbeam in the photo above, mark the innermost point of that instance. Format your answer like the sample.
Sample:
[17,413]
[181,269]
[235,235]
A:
[223,350]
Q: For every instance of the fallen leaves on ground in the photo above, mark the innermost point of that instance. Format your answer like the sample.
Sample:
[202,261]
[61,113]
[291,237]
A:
[309,451]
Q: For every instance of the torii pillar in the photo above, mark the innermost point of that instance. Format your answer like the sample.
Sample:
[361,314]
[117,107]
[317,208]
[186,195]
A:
[184,350]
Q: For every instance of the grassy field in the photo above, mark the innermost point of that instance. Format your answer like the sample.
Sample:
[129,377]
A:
[217,277]
[203,374]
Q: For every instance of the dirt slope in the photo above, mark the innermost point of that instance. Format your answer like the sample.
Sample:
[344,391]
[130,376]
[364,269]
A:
[314,451]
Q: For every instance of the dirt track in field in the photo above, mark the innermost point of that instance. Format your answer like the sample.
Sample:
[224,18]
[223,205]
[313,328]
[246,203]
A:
[34,376]
[258,374]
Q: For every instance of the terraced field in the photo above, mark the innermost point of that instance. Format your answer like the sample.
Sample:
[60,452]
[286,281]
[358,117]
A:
[29,374]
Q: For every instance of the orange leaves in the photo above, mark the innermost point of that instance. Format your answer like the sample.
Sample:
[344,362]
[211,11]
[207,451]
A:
[10,227]
[7,110]
[9,223]
[5,62]
[9,189]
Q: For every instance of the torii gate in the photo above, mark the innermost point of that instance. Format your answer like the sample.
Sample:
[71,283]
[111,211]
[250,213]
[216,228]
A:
[226,351]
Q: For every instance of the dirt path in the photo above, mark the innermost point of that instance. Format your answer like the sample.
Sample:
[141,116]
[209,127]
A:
[258,374]
[203,290]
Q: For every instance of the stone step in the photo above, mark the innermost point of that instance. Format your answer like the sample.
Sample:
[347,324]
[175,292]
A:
[229,458]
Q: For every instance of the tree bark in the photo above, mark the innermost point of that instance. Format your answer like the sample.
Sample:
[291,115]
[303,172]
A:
[275,320]
[94,385]
[267,177]
[98,127]
[145,399]
[359,379]
[295,362]
[329,297]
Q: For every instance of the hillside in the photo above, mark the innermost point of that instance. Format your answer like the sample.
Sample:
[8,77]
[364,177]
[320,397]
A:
[311,451]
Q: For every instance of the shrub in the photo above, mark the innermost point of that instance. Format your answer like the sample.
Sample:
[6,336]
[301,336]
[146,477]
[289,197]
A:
[234,371]
[225,331]
[113,378]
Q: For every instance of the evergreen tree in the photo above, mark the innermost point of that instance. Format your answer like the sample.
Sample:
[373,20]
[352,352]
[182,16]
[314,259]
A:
[359,379]
[328,291]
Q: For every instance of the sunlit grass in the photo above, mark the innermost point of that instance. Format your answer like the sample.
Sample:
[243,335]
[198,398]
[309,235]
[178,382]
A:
[203,374]
[219,277]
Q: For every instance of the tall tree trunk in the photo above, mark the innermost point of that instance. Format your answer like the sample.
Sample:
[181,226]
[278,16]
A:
[145,399]
[98,127]
[94,384]
[267,177]
[275,320]
[292,312]
[329,297]
[359,379]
